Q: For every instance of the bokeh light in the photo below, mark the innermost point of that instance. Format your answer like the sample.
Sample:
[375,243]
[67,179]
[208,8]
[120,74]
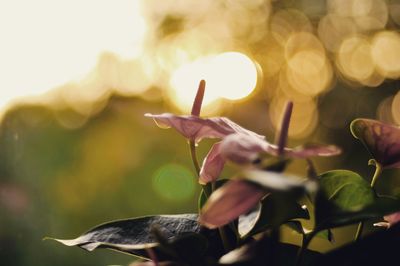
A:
[304,117]
[230,75]
[174,182]
[354,59]
[396,108]
[386,53]
[47,44]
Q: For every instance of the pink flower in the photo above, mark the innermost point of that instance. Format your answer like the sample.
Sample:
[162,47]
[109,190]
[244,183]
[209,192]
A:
[196,128]
[238,197]
[241,149]
[380,139]
[229,202]
[390,220]
[213,165]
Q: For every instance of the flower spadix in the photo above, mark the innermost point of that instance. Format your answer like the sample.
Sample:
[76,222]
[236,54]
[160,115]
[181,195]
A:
[240,148]
[194,128]
[237,197]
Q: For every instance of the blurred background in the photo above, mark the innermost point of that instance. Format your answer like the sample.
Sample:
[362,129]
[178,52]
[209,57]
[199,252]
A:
[77,77]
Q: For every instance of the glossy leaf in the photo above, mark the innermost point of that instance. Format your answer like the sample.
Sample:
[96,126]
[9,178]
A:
[346,198]
[298,228]
[380,139]
[273,211]
[133,236]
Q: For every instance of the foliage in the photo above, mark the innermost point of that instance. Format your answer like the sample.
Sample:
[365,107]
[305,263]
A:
[239,218]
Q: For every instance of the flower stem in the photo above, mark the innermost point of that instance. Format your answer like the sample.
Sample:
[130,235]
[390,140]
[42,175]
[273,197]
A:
[304,245]
[206,187]
[378,171]
[193,155]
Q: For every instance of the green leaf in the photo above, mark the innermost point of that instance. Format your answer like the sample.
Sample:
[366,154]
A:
[274,210]
[133,236]
[345,198]
[298,228]
[203,198]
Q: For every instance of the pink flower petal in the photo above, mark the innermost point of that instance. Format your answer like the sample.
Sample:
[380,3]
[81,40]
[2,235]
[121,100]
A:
[196,128]
[212,165]
[229,202]
[241,149]
[392,218]
[380,139]
[307,151]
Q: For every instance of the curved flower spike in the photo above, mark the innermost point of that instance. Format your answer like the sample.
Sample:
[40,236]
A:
[196,128]
[241,149]
[229,202]
[212,165]
[380,139]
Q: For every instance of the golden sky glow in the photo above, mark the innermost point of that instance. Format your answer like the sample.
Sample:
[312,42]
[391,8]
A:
[89,49]
[229,75]
[46,43]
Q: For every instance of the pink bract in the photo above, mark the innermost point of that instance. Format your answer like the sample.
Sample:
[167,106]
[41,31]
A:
[212,165]
[241,148]
[196,128]
[229,202]
[380,139]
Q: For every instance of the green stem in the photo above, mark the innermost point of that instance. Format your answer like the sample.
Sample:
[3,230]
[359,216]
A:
[304,245]
[378,171]
[225,241]
[206,187]
[193,155]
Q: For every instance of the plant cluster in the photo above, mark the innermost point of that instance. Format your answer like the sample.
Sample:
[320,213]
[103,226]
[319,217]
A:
[239,218]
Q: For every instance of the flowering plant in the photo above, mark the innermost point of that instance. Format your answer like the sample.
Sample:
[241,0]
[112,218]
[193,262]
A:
[239,218]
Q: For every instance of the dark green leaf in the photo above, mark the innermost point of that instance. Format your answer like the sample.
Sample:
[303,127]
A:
[133,236]
[274,210]
[298,228]
[345,198]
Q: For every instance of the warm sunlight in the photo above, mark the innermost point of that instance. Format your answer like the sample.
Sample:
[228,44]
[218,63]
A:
[48,43]
[229,75]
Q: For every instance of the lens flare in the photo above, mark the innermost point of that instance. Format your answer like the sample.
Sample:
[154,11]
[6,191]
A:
[229,75]
[174,182]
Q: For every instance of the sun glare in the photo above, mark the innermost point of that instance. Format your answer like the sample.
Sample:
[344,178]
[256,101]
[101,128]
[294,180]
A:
[230,75]
[48,43]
